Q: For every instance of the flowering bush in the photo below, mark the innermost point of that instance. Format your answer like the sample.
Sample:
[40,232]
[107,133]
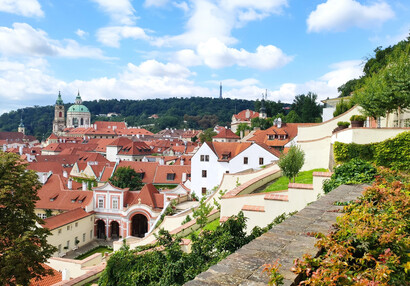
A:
[371,244]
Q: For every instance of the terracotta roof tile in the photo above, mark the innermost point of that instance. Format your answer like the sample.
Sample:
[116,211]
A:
[65,218]
[246,115]
[227,133]
[49,279]
[148,168]
[171,174]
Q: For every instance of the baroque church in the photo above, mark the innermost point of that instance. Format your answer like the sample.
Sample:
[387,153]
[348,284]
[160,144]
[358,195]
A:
[78,115]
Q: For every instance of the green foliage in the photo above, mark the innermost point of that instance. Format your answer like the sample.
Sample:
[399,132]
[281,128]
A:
[207,135]
[344,152]
[371,243]
[356,171]
[187,219]
[388,89]
[126,177]
[357,118]
[97,249]
[23,243]
[242,127]
[292,117]
[342,107]
[306,107]
[201,212]
[291,162]
[394,153]
[171,266]
[343,124]
[275,278]
[349,87]
[262,123]
[91,182]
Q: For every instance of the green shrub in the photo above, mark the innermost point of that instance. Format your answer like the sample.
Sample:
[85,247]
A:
[358,118]
[394,153]
[356,171]
[344,152]
[370,245]
[343,123]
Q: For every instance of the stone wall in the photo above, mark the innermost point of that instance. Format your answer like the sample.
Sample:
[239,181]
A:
[283,243]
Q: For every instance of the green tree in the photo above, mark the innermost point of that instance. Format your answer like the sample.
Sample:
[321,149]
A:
[126,177]
[291,162]
[201,213]
[206,136]
[242,127]
[23,243]
[389,89]
[342,107]
[292,117]
[262,123]
[306,107]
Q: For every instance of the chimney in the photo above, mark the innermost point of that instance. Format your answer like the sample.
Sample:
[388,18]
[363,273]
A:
[183,177]
[161,161]
[44,178]
[4,147]
[84,186]
[65,274]
[70,184]
[21,150]
[182,162]
[65,175]
[247,113]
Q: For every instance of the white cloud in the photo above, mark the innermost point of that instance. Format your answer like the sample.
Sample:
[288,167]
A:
[339,15]
[325,86]
[120,11]
[155,3]
[111,36]
[27,8]
[82,34]
[187,58]
[181,5]
[250,92]
[230,82]
[216,54]
[24,40]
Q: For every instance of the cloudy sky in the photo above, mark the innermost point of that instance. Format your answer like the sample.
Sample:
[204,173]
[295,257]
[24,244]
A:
[140,49]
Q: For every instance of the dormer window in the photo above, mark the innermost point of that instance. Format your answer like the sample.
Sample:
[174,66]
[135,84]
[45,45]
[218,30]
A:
[226,155]
[170,176]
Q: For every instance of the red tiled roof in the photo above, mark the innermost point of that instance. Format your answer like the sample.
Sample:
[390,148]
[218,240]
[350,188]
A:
[229,149]
[107,172]
[171,174]
[52,136]
[120,141]
[242,116]
[109,125]
[60,158]
[148,195]
[65,218]
[148,168]
[135,148]
[47,280]
[134,131]
[226,133]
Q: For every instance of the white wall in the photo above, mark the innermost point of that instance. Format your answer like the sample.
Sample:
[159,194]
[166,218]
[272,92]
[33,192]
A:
[112,153]
[253,153]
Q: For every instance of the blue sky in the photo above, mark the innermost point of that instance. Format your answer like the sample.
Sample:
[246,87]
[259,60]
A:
[182,48]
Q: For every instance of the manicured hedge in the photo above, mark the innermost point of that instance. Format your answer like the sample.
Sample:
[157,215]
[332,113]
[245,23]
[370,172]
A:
[393,153]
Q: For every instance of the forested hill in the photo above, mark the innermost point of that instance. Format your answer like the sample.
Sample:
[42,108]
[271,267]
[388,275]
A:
[198,112]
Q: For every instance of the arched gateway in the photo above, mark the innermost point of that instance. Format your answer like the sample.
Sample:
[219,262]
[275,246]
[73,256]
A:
[139,225]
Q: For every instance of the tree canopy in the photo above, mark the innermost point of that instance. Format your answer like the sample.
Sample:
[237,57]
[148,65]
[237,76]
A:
[23,243]
[307,108]
[207,135]
[126,177]
[291,162]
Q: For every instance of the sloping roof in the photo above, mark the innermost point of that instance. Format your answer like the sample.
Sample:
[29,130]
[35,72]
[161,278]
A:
[175,171]
[107,172]
[134,131]
[135,148]
[246,115]
[148,168]
[62,159]
[65,218]
[148,195]
[109,125]
[16,137]
[226,133]
[225,151]
[48,280]
[120,141]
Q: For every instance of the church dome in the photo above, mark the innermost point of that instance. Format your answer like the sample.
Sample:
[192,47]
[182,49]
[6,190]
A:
[78,108]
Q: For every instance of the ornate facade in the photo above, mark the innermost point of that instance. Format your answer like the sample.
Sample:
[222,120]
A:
[78,114]
[59,121]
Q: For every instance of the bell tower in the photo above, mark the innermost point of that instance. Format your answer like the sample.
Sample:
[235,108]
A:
[59,118]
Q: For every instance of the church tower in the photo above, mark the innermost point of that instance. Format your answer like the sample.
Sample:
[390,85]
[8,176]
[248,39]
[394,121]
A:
[21,127]
[59,121]
[262,110]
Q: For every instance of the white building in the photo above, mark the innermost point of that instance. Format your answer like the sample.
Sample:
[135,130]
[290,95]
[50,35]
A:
[213,159]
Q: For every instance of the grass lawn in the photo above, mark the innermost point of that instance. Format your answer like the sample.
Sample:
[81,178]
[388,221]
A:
[281,184]
[99,249]
[210,226]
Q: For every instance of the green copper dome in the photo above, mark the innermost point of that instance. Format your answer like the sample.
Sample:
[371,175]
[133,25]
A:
[78,108]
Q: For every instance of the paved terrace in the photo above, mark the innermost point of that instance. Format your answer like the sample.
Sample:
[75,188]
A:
[284,242]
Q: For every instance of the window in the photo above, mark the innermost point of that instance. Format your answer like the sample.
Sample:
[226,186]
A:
[84,237]
[115,203]
[59,248]
[68,244]
[207,158]
[202,158]
[68,227]
[245,160]
[59,231]
[91,234]
[101,203]
[260,161]
[170,176]
[204,174]
[204,191]
[76,224]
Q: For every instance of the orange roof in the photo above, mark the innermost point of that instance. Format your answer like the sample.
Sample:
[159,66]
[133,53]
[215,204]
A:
[228,150]
[226,133]
[171,174]
[120,141]
[135,148]
[134,131]
[65,218]
[148,168]
[246,115]
[101,144]
[109,125]
[47,280]
[52,136]
[107,172]
[60,158]
[148,195]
